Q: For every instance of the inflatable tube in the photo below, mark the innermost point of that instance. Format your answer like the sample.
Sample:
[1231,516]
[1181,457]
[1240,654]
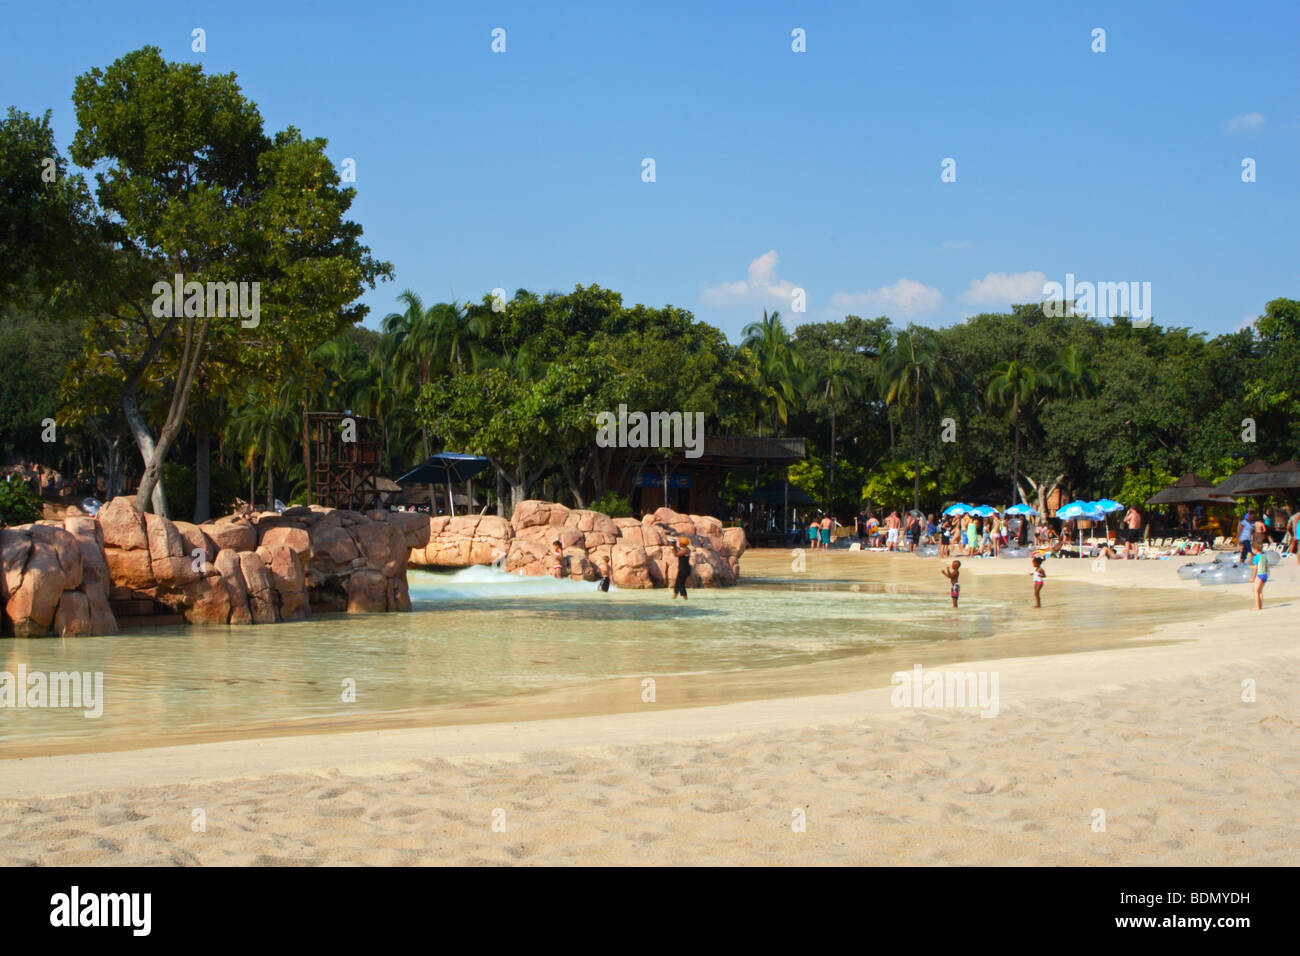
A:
[1227,574]
[1193,570]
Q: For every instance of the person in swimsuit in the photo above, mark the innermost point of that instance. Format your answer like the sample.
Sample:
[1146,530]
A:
[1039,577]
[557,553]
[1259,575]
[1293,529]
[682,552]
[813,530]
[952,572]
[826,533]
[604,577]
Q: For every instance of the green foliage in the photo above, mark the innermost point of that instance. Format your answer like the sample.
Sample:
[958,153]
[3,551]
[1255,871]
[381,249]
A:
[18,503]
[613,505]
[892,485]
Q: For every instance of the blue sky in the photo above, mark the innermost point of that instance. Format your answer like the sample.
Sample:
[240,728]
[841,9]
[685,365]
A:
[774,169]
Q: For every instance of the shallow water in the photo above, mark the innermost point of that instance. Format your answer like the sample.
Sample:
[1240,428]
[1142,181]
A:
[481,644]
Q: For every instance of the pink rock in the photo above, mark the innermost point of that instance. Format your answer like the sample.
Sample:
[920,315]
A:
[261,599]
[231,532]
[65,546]
[15,548]
[367,592]
[227,565]
[207,601]
[130,569]
[196,539]
[287,535]
[72,618]
[122,525]
[30,607]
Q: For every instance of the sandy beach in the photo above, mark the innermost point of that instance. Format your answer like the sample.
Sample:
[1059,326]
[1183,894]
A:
[1156,737]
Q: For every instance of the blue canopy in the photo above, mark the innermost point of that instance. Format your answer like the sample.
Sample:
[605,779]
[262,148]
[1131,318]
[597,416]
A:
[1081,509]
[444,468]
[1021,510]
[957,509]
[1108,505]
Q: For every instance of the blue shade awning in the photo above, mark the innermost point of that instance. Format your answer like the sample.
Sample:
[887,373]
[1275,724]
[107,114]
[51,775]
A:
[444,467]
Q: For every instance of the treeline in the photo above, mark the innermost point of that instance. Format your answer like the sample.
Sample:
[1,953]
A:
[187,410]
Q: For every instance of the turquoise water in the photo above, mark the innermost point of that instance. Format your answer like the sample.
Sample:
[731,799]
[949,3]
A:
[481,635]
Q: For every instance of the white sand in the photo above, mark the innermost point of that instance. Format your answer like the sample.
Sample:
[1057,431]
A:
[1158,737]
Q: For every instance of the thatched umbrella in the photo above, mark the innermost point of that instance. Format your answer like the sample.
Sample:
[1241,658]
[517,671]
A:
[1191,489]
[1283,479]
[1233,483]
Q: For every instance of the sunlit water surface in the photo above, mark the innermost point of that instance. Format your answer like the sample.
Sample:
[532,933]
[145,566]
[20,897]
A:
[484,645]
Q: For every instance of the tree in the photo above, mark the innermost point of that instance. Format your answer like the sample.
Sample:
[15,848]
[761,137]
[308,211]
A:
[192,187]
[835,380]
[1014,387]
[779,365]
[912,364]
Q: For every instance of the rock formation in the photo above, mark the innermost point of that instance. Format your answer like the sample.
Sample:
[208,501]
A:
[639,552]
[255,569]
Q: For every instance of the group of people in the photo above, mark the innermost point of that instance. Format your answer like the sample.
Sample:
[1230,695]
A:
[952,571]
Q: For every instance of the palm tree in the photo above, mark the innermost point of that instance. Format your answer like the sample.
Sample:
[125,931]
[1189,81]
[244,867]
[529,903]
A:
[263,429]
[411,340]
[1073,375]
[1016,386]
[911,364]
[834,380]
[779,364]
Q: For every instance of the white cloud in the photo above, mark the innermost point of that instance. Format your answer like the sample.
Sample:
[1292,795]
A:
[905,298]
[1245,123]
[762,285]
[1006,288]
[956,245]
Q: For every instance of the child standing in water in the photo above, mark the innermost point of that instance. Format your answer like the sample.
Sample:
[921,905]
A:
[1259,576]
[952,572]
[682,552]
[557,553]
[1039,577]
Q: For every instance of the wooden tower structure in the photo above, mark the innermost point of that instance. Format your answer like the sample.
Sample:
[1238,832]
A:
[344,465]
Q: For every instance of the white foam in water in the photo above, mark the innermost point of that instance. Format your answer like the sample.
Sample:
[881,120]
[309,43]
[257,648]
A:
[481,581]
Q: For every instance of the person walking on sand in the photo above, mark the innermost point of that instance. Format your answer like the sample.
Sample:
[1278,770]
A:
[682,552]
[952,572]
[1245,531]
[1259,574]
[1039,577]
[1293,529]
[813,530]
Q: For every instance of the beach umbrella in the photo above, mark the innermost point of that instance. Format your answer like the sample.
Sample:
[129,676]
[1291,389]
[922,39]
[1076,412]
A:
[1081,509]
[1191,489]
[1232,485]
[1108,505]
[957,509]
[984,511]
[1023,510]
[445,468]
